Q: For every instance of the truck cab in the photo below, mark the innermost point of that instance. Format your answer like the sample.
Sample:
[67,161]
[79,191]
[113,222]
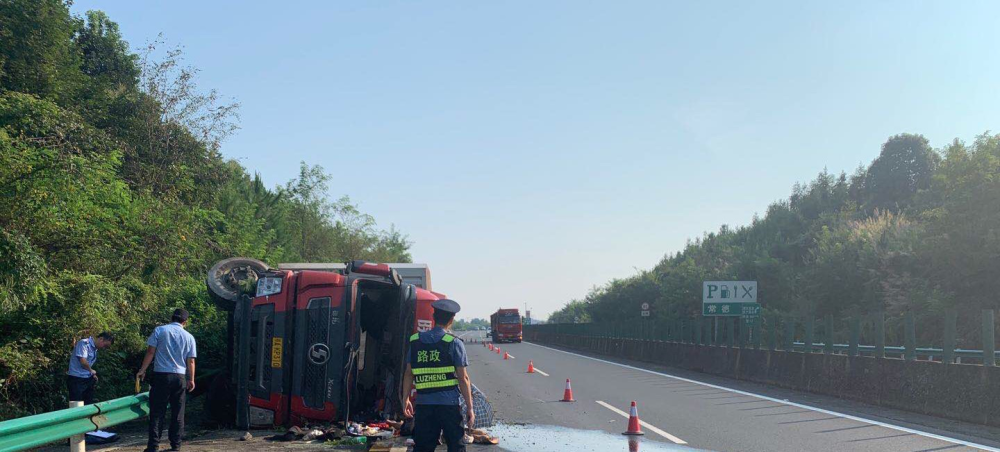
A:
[320,346]
[505,326]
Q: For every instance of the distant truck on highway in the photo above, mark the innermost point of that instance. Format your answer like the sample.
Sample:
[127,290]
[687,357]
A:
[505,326]
[319,342]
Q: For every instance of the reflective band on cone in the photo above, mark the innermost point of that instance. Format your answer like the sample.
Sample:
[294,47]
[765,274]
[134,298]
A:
[633,421]
[568,393]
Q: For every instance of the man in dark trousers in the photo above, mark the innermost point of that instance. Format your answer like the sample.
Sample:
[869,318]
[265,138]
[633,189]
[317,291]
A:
[172,352]
[436,367]
[81,376]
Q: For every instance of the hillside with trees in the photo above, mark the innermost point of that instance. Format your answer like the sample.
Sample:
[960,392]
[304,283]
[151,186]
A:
[917,230]
[115,200]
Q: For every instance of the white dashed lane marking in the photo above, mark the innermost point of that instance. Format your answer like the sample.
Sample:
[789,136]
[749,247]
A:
[649,427]
[786,402]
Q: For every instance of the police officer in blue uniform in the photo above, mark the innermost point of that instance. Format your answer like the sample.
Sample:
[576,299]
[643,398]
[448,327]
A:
[436,367]
[172,352]
[81,376]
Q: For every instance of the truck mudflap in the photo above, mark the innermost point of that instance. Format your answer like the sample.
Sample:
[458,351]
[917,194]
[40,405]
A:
[317,381]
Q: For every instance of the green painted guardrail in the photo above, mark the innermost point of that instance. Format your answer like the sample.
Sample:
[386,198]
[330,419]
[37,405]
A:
[33,431]
[783,332]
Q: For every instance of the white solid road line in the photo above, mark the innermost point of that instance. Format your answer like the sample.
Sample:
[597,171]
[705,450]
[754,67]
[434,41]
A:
[785,402]
[537,370]
[662,433]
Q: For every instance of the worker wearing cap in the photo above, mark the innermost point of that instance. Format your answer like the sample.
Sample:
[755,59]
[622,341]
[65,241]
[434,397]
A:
[436,367]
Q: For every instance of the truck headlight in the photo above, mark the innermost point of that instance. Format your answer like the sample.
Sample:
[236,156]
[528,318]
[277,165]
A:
[268,286]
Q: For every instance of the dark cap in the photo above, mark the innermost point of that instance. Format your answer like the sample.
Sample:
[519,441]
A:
[446,305]
[180,315]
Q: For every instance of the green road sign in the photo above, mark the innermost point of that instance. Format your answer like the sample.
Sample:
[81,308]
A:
[729,309]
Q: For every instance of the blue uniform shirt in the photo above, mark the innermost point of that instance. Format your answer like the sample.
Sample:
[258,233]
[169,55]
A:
[174,346]
[458,356]
[87,349]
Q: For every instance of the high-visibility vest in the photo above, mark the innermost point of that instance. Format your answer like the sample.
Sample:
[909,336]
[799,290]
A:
[433,368]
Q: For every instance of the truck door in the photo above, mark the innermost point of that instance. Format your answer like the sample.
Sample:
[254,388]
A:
[319,349]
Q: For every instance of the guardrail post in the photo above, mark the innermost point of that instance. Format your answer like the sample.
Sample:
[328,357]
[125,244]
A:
[880,334]
[789,333]
[772,333]
[810,332]
[758,327]
[772,328]
[989,341]
[730,332]
[852,348]
[950,321]
[910,336]
[828,343]
[77,443]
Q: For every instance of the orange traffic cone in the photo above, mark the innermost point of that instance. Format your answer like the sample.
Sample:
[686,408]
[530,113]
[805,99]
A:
[633,421]
[498,350]
[505,355]
[531,367]
[568,393]
[491,347]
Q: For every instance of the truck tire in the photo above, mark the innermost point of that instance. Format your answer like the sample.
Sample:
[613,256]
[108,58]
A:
[225,277]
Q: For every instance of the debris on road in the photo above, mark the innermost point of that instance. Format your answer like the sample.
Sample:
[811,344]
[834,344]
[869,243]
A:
[480,436]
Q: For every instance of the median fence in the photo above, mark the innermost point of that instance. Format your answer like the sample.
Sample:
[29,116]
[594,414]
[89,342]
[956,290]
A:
[32,431]
[848,358]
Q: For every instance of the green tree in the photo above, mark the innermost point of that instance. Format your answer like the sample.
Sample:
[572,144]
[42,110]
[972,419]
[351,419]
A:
[904,167]
[37,55]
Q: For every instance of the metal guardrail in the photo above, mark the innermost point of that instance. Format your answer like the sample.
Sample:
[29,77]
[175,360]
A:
[33,431]
[926,352]
[782,332]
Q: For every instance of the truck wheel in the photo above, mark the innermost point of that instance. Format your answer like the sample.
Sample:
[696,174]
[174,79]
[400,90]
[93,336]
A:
[225,277]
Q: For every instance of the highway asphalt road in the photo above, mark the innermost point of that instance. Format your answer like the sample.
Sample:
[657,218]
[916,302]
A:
[695,410]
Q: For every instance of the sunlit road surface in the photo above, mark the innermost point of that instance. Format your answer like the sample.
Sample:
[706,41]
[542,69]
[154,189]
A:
[704,412]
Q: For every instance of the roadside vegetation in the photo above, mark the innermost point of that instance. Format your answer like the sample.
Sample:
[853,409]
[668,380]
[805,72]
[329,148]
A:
[917,230]
[466,325]
[115,200]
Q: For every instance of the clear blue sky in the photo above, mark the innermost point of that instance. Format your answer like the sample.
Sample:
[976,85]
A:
[532,150]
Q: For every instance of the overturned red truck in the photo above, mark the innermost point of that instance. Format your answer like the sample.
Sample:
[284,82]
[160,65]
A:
[319,342]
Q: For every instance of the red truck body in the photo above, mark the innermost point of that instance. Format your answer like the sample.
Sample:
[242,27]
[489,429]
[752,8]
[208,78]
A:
[323,345]
[505,325]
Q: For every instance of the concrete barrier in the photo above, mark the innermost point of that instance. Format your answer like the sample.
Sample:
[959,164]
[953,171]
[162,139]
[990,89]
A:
[963,392]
